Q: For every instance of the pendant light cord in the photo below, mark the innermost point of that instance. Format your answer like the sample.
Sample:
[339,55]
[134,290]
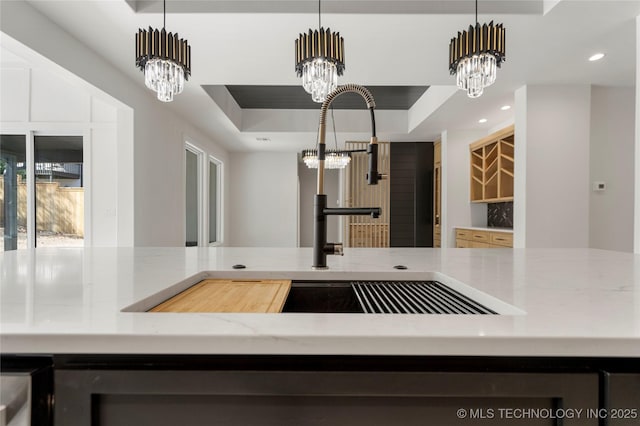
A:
[164,14]
[476,12]
[319,22]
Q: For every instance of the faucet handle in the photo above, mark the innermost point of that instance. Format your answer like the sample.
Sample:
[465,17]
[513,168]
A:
[338,249]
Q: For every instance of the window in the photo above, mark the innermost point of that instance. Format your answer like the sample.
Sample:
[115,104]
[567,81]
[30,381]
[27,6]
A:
[215,192]
[13,191]
[203,198]
[59,191]
[192,195]
[42,195]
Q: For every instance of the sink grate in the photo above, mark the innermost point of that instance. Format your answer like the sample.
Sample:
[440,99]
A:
[414,297]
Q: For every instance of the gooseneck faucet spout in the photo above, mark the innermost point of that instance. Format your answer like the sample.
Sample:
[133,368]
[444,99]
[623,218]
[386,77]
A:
[320,246]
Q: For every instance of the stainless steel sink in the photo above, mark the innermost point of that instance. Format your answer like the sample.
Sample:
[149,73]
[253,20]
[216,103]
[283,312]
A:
[380,297]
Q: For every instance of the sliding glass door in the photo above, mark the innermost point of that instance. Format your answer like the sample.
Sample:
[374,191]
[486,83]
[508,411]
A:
[13,191]
[59,191]
[41,190]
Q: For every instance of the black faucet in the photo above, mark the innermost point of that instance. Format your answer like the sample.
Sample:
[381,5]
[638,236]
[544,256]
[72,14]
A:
[321,248]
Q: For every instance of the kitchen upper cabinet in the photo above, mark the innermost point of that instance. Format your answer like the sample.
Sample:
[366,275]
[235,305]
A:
[492,167]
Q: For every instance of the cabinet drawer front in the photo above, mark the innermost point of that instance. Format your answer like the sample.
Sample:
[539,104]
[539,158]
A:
[463,234]
[463,243]
[502,239]
[480,236]
[475,244]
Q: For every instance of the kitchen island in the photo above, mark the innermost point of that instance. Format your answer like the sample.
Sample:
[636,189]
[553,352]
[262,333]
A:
[568,329]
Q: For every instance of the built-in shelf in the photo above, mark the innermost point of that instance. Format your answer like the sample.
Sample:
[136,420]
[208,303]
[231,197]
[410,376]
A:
[492,167]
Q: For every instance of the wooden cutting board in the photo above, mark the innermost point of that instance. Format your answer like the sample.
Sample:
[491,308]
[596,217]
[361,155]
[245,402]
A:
[259,296]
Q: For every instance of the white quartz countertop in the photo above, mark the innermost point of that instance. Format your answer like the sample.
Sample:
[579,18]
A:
[486,228]
[565,302]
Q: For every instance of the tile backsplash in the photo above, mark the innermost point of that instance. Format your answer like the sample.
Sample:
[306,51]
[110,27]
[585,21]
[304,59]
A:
[500,215]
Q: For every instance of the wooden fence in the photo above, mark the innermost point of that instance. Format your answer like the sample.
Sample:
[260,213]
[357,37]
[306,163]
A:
[58,209]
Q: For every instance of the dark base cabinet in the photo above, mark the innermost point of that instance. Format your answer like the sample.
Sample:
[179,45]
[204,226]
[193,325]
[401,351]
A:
[339,390]
[26,390]
[622,392]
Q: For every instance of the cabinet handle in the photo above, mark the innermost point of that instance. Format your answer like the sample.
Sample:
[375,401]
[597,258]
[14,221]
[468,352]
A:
[499,239]
[478,236]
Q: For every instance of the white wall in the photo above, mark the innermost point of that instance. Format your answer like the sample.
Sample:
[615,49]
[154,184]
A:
[612,149]
[636,215]
[457,210]
[263,201]
[36,100]
[520,166]
[555,141]
[151,193]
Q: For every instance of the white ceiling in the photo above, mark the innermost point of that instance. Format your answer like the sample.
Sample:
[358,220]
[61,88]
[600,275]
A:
[251,43]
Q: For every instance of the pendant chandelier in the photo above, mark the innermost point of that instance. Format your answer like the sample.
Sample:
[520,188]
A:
[319,60]
[475,55]
[164,58]
[333,158]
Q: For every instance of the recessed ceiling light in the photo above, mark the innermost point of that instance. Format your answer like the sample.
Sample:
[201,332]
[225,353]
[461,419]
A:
[505,107]
[263,139]
[482,120]
[596,57]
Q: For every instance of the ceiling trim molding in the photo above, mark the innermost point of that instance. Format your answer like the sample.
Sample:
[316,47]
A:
[521,7]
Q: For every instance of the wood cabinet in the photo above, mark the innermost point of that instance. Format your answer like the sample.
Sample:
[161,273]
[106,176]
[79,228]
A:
[365,231]
[437,191]
[474,238]
[368,235]
[492,167]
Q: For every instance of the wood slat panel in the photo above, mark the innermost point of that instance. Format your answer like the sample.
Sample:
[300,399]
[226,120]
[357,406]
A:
[371,232]
[257,296]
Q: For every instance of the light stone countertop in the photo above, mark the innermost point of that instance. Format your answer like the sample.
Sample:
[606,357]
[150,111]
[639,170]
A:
[561,302]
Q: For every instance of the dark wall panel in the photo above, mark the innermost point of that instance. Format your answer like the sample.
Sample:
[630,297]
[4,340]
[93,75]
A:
[410,220]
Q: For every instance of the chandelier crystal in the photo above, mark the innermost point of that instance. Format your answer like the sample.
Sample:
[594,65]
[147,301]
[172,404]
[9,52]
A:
[165,77]
[319,60]
[334,159]
[165,60]
[319,78]
[475,55]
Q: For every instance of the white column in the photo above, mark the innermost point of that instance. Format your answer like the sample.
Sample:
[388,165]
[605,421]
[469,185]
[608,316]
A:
[444,222]
[520,166]
[636,212]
